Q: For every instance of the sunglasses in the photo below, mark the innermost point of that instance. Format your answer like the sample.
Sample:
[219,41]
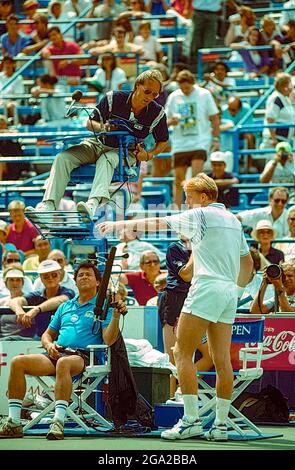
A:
[153,261]
[291,218]
[13,260]
[283,201]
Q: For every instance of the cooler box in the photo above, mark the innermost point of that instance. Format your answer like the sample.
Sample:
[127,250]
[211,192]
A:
[153,383]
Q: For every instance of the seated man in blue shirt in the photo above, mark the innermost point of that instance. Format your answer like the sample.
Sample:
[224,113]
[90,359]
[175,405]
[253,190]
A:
[144,116]
[71,327]
[43,302]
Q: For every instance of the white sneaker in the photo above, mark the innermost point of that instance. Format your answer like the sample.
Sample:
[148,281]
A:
[46,206]
[183,430]
[217,433]
[87,208]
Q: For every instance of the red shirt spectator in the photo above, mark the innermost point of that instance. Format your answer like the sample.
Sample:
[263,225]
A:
[21,232]
[142,282]
[65,67]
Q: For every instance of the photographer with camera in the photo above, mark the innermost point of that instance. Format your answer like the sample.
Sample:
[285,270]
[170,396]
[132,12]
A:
[281,169]
[66,341]
[282,277]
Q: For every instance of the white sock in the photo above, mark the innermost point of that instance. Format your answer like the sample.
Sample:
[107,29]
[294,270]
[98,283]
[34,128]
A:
[222,410]
[14,409]
[191,409]
[61,407]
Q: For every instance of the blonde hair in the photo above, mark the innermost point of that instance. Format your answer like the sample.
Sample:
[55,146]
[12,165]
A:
[291,210]
[16,205]
[149,75]
[202,184]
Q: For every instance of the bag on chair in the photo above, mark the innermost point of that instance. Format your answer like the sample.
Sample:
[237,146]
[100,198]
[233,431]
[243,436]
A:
[267,406]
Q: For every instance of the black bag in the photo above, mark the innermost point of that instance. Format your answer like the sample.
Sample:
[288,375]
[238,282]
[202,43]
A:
[267,406]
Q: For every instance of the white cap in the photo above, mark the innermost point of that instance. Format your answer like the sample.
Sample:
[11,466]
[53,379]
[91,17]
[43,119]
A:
[218,157]
[3,225]
[14,272]
[48,266]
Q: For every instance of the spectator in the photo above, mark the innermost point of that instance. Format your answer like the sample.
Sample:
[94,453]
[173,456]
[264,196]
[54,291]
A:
[42,250]
[218,81]
[287,13]
[288,42]
[44,302]
[276,212]
[151,47]
[66,279]
[171,83]
[74,8]
[21,232]
[14,282]
[192,112]
[13,258]
[119,45]
[226,195]
[269,29]
[52,105]
[239,24]
[289,248]
[136,10]
[39,37]
[13,42]
[131,244]
[281,169]
[13,277]
[3,233]
[56,13]
[30,8]
[103,29]
[233,112]
[183,7]
[108,75]
[6,9]
[159,285]
[157,7]
[16,87]
[247,294]
[284,300]
[264,234]
[64,67]
[142,282]
[280,110]
[256,62]
[205,20]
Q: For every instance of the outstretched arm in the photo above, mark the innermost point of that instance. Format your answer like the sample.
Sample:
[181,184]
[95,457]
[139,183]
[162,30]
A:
[142,225]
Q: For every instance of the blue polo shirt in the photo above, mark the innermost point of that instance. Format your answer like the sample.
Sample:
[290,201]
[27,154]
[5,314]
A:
[117,105]
[41,321]
[177,256]
[73,322]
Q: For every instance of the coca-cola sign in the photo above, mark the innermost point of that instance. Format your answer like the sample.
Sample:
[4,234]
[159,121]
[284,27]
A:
[278,345]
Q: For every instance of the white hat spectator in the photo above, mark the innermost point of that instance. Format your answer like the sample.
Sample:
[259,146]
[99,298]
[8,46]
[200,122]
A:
[47,266]
[3,225]
[218,157]
[263,225]
[13,272]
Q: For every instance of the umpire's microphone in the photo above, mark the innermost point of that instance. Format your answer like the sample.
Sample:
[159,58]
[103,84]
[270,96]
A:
[76,96]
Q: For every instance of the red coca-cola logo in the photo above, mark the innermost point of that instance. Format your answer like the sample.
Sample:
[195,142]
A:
[273,345]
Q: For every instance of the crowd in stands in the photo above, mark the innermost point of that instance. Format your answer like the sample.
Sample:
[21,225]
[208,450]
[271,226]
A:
[201,114]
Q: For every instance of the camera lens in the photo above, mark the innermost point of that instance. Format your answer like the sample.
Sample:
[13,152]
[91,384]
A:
[274,271]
